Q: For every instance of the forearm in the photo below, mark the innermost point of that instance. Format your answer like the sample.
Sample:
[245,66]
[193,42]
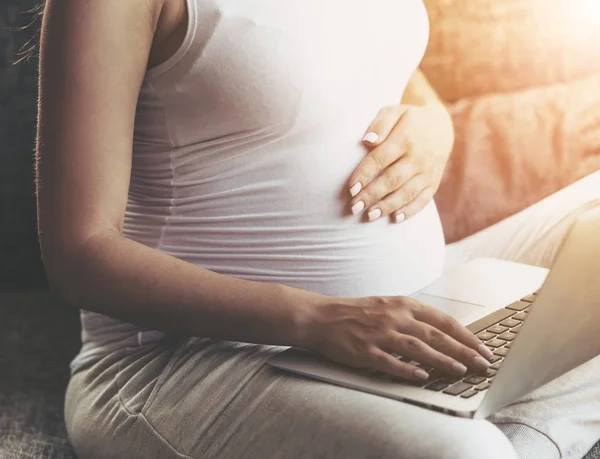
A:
[115,276]
[419,91]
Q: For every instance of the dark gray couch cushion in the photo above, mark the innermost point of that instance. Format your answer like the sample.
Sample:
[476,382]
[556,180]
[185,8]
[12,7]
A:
[19,254]
[32,427]
[38,338]
[594,452]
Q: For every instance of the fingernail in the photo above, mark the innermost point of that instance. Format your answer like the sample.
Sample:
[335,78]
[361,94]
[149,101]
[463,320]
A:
[359,206]
[459,368]
[421,374]
[371,137]
[356,189]
[481,362]
[400,217]
[485,351]
[374,214]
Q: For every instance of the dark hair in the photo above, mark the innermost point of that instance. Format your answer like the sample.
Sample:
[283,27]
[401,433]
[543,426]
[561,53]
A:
[30,49]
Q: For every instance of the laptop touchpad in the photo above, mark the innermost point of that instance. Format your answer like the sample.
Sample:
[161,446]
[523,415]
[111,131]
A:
[465,313]
[488,282]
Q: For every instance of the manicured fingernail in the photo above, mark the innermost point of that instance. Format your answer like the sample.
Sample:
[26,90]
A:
[371,137]
[481,362]
[459,368]
[421,374]
[358,207]
[374,214]
[356,189]
[485,351]
[400,217]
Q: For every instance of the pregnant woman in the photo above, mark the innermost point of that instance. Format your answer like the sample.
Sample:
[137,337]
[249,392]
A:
[220,179]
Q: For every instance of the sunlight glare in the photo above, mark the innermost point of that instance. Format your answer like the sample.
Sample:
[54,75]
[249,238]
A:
[586,11]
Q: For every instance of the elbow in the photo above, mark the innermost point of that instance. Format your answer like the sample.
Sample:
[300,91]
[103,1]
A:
[67,264]
[58,263]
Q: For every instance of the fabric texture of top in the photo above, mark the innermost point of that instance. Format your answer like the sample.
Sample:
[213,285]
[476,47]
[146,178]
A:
[244,143]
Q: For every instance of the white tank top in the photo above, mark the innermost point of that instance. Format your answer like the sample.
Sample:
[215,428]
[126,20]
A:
[246,138]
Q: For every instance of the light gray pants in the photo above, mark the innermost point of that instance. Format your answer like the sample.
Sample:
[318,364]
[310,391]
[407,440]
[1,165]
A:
[197,398]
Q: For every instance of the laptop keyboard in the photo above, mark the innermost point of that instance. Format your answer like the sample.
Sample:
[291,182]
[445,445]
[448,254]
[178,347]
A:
[497,330]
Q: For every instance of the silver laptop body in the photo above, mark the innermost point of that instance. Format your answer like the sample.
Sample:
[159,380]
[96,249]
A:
[560,332]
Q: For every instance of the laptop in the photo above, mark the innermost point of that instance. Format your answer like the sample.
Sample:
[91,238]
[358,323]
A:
[539,323]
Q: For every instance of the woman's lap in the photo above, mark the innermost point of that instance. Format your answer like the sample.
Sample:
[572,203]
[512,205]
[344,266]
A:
[197,398]
[533,235]
[206,399]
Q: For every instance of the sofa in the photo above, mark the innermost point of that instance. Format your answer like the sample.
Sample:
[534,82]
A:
[39,335]
[522,81]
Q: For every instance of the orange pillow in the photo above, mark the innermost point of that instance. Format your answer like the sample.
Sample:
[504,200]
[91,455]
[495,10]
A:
[514,149]
[478,47]
[522,79]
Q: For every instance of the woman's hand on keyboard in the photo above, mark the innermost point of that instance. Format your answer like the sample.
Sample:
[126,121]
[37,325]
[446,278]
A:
[372,332]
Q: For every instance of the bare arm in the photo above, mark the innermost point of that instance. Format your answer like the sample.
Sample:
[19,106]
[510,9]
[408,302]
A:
[418,91]
[93,59]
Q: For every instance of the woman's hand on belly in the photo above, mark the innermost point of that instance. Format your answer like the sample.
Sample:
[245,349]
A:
[370,332]
[400,175]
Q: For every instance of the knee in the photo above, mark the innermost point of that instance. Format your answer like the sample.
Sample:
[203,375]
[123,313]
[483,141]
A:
[479,439]
[447,438]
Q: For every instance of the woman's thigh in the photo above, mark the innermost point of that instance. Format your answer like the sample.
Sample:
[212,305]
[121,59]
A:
[207,399]
[532,236]
[567,410]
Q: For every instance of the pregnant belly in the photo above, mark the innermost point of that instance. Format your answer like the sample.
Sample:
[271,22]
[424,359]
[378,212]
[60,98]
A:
[346,258]
[280,214]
